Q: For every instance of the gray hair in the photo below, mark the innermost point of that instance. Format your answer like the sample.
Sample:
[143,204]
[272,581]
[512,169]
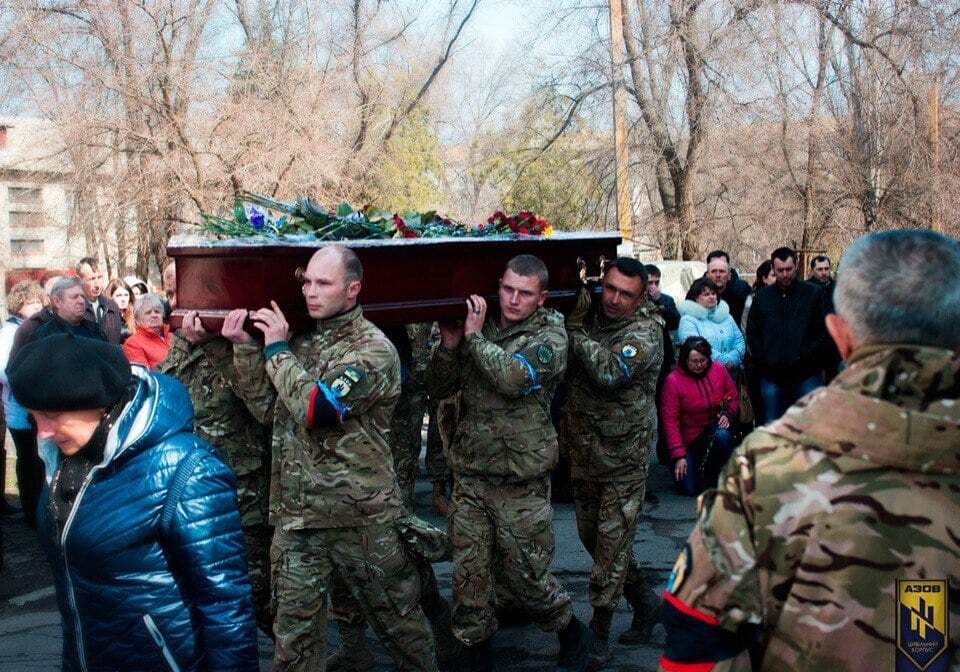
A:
[61,286]
[901,287]
[147,301]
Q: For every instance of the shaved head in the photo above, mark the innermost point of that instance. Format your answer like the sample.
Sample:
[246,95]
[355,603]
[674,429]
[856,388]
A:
[346,258]
[332,280]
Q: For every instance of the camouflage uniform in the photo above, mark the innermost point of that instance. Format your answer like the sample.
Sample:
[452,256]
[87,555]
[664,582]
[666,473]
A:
[221,419]
[607,426]
[502,449]
[334,495]
[818,515]
[406,428]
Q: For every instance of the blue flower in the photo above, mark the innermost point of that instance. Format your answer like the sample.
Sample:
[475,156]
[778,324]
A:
[257,218]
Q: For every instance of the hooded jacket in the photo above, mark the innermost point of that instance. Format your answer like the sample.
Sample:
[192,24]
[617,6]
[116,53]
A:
[688,405]
[717,326]
[150,569]
[506,377]
[822,519]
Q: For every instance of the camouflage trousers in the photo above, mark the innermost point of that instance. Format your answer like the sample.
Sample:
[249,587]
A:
[607,514]
[512,522]
[373,564]
[344,608]
[258,539]
[406,429]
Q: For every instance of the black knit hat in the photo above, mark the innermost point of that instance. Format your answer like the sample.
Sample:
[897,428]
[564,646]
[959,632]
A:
[64,372]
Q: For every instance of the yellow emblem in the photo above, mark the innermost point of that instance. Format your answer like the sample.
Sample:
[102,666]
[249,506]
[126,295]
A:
[923,616]
[680,570]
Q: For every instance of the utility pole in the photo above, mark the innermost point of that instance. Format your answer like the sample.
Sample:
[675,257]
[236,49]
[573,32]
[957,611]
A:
[624,209]
[933,139]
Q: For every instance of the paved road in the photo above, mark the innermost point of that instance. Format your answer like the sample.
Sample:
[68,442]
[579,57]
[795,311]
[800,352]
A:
[30,626]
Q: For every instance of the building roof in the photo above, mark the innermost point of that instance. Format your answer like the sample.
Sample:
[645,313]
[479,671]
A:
[32,145]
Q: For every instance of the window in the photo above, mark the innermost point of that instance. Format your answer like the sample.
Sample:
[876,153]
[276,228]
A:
[20,247]
[24,195]
[26,220]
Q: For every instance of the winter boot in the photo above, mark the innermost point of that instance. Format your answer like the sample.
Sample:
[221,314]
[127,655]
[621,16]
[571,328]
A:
[575,641]
[600,649]
[354,654]
[646,610]
[478,658]
[449,648]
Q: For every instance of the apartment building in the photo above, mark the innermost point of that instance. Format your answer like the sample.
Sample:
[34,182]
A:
[36,200]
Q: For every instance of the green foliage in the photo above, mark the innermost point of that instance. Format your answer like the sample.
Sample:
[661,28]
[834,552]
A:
[408,177]
[560,184]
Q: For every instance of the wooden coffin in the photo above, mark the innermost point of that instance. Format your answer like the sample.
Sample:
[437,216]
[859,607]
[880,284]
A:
[405,280]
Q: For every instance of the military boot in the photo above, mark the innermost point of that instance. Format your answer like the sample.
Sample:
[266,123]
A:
[646,610]
[449,648]
[478,658]
[575,641]
[354,654]
[600,649]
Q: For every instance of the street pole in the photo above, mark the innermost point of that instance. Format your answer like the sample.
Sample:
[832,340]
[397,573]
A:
[624,211]
[933,138]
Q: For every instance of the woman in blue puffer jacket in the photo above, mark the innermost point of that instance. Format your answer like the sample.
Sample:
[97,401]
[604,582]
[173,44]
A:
[138,516]
[703,314]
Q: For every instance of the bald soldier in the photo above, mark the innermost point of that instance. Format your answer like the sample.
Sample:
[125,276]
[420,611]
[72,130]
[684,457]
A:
[334,499]
[832,541]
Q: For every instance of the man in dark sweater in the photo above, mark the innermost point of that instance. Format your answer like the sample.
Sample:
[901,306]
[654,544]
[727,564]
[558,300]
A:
[65,314]
[787,336]
[733,290]
[821,275]
[668,310]
[99,309]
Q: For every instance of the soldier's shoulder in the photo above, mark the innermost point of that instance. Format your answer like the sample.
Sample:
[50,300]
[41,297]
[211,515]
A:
[373,344]
[552,319]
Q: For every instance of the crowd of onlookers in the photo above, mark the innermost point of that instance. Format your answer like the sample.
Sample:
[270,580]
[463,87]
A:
[744,355]
[125,311]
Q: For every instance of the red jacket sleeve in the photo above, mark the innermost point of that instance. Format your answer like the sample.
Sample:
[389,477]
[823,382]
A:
[135,352]
[670,417]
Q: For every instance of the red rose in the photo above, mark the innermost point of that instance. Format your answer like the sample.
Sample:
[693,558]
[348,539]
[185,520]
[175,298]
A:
[523,230]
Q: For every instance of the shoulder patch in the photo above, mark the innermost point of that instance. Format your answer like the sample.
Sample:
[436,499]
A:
[628,351]
[341,386]
[353,374]
[681,569]
[544,354]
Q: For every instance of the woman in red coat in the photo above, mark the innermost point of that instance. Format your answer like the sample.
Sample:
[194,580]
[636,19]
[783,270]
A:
[149,344]
[697,407]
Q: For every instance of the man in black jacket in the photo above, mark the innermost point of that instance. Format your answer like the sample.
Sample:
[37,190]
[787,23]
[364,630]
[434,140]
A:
[787,336]
[100,309]
[733,290]
[65,314]
[668,310]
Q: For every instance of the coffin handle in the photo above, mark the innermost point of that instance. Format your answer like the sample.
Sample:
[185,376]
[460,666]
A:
[582,270]
[298,274]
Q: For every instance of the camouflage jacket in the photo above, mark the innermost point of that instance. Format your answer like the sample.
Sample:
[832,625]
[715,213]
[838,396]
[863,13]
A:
[612,383]
[820,513]
[336,388]
[221,418]
[507,378]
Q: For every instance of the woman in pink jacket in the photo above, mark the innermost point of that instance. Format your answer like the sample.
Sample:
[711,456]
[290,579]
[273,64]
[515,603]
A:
[698,404]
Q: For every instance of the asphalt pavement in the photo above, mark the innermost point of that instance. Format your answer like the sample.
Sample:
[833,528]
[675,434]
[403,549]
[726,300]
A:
[30,633]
